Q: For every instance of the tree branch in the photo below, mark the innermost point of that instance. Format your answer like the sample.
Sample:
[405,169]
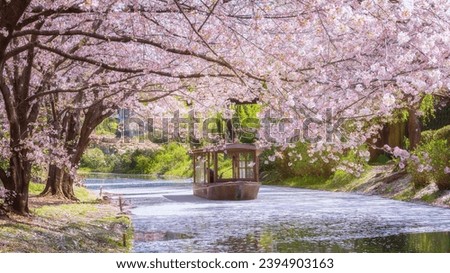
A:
[158,97]
[127,70]
[225,63]
[127,39]
[18,50]
[209,14]
[39,13]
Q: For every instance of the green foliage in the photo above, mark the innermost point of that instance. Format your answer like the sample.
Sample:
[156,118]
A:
[224,165]
[171,159]
[428,163]
[427,108]
[94,159]
[382,159]
[108,127]
[308,173]
[400,115]
[248,121]
[443,133]
[307,181]
[430,198]
[291,165]
[60,210]
[36,188]
[123,163]
[340,179]
[4,164]
[427,136]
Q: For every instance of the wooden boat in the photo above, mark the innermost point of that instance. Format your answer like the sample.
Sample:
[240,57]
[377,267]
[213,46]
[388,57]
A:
[227,173]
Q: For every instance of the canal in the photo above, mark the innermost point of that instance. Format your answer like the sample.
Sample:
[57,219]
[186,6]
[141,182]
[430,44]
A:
[167,218]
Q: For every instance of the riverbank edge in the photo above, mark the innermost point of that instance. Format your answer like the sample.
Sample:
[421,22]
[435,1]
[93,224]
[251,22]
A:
[381,181]
[91,225]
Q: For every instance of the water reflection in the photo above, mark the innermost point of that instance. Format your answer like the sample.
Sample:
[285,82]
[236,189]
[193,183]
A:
[293,242]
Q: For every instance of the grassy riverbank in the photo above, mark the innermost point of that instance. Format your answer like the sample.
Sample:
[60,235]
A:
[90,225]
[376,180]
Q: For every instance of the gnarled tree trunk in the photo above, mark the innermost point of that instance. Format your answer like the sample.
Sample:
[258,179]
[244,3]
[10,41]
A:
[78,132]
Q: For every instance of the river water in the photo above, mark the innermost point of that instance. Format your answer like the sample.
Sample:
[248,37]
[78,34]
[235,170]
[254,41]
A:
[168,218]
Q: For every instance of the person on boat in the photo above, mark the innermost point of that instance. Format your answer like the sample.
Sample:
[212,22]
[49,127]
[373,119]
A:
[211,176]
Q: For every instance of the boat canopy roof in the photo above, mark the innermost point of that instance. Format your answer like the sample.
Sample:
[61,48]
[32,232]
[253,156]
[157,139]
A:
[230,147]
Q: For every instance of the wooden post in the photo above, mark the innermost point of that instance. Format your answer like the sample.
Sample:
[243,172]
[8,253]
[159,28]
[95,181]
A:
[195,172]
[207,169]
[216,169]
[124,239]
[120,203]
[256,167]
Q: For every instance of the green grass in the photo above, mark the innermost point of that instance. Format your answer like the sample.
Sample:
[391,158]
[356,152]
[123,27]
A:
[84,195]
[339,181]
[35,188]
[85,226]
[405,195]
[74,227]
[79,235]
[71,210]
[84,170]
[430,198]
[13,228]
[310,182]
[125,222]
[81,193]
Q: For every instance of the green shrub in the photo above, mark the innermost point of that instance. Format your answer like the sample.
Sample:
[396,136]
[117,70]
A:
[173,159]
[140,161]
[296,162]
[443,133]
[382,159]
[340,178]
[122,162]
[95,160]
[428,162]
[306,166]
[224,165]
[427,136]
[108,127]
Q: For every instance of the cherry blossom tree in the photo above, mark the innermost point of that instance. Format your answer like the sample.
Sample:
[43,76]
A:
[60,42]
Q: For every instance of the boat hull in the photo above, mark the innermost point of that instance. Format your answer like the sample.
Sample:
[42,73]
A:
[235,190]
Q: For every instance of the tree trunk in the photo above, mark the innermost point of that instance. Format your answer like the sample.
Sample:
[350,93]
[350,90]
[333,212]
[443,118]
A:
[414,129]
[53,185]
[59,182]
[19,114]
[20,174]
